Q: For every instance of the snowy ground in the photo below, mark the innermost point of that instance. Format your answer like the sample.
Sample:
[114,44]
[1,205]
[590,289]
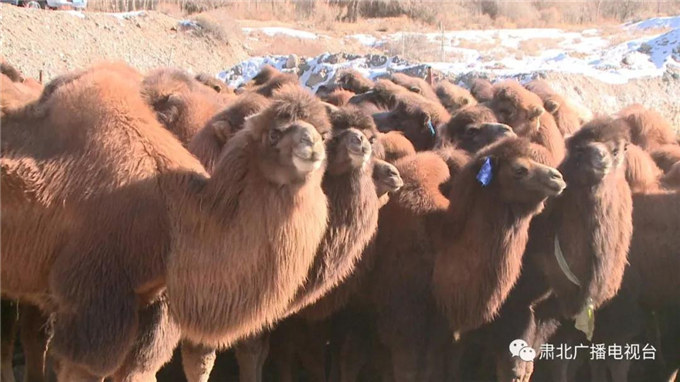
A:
[649,49]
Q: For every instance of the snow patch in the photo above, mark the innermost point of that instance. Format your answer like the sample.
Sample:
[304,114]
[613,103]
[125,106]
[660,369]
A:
[273,31]
[656,23]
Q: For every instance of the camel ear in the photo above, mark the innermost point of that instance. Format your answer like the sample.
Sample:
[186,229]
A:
[464,101]
[167,108]
[551,106]
[330,108]
[222,130]
[535,112]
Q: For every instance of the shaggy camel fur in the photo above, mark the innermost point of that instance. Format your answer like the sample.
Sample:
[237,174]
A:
[338,97]
[417,117]
[523,111]
[593,222]
[15,95]
[566,116]
[382,96]
[453,97]
[649,130]
[473,127]
[642,173]
[481,89]
[415,85]
[207,144]
[395,145]
[142,172]
[275,82]
[672,178]
[470,288]
[407,321]
[270,181]
[182,104]
[215,84]
[354,82]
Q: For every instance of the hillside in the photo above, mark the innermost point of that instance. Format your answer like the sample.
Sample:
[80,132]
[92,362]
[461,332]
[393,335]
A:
[56,41]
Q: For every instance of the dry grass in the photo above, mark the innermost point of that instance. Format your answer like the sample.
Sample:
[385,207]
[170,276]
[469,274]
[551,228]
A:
[415,15]
[535,46]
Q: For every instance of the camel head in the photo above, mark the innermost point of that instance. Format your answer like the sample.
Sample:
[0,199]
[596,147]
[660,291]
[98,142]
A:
[348,150]
[474,127]
[386,177]
[595,151]
[518,107]
[290,134]
[519,172]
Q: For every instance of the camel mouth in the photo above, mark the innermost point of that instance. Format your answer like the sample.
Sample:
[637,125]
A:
[393,183]
[555,187]
[307,158]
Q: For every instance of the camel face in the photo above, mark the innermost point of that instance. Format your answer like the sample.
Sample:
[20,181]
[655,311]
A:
[525,180]
[386,177]
[416,117]
[348,150]
[594,153]
[297,146]
[517,107]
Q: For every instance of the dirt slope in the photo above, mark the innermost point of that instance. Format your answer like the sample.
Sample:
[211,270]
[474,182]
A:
[57,41]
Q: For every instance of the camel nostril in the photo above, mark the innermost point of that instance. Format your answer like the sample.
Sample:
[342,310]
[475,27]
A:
[554,174]
[306,138]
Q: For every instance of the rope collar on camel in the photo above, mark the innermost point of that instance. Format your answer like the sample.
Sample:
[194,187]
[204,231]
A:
[562,262]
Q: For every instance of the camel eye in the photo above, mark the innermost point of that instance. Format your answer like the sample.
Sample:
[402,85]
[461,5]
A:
[471,132]
[372,139]
[274,135]
[521,171]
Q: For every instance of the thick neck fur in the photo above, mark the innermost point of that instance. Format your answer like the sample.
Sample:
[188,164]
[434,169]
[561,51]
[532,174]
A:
[480,252]
[594,226]
[243,246]
[353,219]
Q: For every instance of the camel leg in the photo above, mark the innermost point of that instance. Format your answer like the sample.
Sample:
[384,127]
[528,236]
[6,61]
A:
[313,350]
[33,333]
[197,361]
[67,372]
[282,356]
[251,354]
[157,338]
[9,328]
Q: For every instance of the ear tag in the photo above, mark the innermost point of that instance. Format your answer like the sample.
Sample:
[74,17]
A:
[431,127]
[485,173]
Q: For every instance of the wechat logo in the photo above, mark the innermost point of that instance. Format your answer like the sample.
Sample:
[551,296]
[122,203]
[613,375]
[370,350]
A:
[520,348]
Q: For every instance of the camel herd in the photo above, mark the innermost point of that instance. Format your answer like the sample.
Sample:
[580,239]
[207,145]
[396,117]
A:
[388,230]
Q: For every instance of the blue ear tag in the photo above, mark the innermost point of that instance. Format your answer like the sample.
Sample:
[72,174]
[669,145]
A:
[485,173]
[431,127]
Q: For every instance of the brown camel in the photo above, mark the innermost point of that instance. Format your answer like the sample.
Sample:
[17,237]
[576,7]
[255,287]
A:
[338,97]
[353,81]
[417,117]
[642,173]
[382,96]
[481,89]
[523,111]
[182,104]
[207,144]
[515,182]
[566,116]
[415,85]
[473,127]
[453,97]
[672,178]
[215,84]
[649,130]
[593,222]
[141,179]
[275,82]
[394,145]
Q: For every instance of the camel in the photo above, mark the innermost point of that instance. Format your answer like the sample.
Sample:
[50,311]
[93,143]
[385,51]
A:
[353,81]
[276,81]
[394,145]
[182,104]
[215,84]
[481,89]
[593,222]
[415,85]
[523,111]
[642,173]
[338,97]
[207,144]
[649,130]
[382,96]
[140,167]
[417,117]
[468,291]
[473,127]
[566,116]
[671,179]
[453,97]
